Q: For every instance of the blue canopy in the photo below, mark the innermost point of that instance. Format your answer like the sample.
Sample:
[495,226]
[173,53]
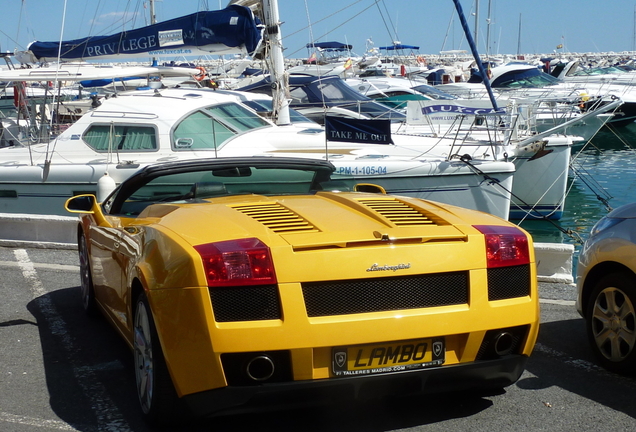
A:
[231,30]
[400,47]
[330,46]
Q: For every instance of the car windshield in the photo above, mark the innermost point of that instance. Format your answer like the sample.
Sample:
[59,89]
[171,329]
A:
[193,186]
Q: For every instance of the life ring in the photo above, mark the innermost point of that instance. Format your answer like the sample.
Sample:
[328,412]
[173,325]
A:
[202,73]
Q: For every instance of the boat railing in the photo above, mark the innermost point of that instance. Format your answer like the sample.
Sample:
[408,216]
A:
[124,114]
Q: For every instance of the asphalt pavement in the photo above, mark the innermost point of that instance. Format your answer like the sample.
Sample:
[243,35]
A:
[60,371]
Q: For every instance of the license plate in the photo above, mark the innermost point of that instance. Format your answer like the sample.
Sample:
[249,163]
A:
[389,357]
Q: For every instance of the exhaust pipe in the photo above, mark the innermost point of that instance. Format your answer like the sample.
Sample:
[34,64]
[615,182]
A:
[260,368]
[504,343]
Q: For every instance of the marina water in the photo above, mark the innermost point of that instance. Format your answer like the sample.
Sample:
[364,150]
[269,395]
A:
[602,177]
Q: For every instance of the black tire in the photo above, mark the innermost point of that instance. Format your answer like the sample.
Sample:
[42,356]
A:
[87,290]
[158,399]
[611,322]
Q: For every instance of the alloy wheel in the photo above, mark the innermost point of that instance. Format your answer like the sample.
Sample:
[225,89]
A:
[144,366]
[85,278]
[613,324]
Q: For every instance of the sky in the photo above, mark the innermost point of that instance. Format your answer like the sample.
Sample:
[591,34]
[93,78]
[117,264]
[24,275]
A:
[527,27]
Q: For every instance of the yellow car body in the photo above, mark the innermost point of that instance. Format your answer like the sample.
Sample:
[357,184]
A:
[360,294]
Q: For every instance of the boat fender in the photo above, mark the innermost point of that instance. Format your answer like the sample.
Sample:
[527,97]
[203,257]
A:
[105,185]
[19,95]
[584,98]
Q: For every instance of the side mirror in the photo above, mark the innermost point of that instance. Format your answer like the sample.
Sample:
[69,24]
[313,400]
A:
[369,188]
[81,204]
[87,204]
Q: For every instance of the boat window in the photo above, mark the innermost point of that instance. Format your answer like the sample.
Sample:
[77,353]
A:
[527,78]
[121,138]
[237,117]
[265,106]
[331,92]
[209,128]
[298,95]
[338,91]
[199,131]
[433,93]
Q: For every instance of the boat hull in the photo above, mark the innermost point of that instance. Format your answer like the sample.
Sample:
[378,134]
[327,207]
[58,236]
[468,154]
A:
[452,183]
[540,184]
[41,190]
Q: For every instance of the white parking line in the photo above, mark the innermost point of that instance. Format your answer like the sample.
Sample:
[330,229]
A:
[63,267]
[37,422]
[108,416]
[581,364]
[558,302]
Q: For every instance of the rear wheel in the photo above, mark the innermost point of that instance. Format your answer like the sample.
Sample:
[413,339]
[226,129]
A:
[87,290]
[611,322]
[157,396]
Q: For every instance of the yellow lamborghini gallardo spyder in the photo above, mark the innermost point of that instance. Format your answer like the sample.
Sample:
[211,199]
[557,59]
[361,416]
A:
[239,282]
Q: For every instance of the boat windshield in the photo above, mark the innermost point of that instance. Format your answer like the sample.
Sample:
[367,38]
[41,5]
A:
[208,128]
[328,90]
[334,92]
[433,93]
[598,71]
[266,106]
[527,78]
[236,117]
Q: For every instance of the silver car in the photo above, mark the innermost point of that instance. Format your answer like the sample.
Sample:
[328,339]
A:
[606,283]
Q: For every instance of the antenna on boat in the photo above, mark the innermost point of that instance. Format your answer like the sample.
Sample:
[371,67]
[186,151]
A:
[49,156]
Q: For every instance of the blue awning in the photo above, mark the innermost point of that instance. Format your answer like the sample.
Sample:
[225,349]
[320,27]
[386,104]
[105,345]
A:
[400,47]
[231,30]
[334,46]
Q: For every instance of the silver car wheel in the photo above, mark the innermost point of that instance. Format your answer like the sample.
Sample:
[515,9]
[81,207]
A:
[613,324]
[144,366]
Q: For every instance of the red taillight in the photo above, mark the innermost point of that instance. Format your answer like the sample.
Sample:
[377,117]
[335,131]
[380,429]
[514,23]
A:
[237,262]
[505,245]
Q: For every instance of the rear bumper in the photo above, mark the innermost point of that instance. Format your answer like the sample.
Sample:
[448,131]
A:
[478,375]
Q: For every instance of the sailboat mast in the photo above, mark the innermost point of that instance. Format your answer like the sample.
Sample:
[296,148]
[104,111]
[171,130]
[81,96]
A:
[519,37]
[473,48]
[153,16]
[153,20]
[279,76]
[488,22]
[476,23]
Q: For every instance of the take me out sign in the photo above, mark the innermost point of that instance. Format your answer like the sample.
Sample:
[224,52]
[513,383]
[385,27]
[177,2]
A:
[358,130]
